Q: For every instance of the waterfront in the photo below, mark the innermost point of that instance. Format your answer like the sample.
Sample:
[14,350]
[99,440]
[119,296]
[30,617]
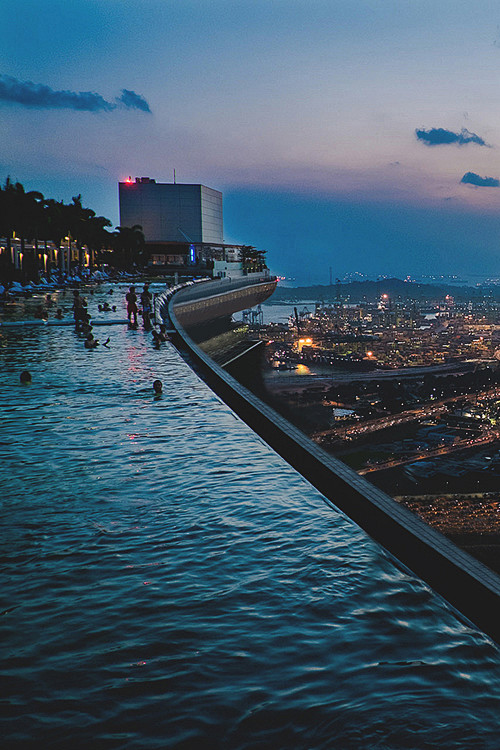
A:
[169,581]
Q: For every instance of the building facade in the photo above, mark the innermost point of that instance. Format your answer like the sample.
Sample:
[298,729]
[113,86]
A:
[172,212]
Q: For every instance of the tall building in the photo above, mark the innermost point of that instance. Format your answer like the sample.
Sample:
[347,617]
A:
[172,212]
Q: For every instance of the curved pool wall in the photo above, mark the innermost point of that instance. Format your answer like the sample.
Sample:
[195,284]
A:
[169,581]
[220,298]
[466,583]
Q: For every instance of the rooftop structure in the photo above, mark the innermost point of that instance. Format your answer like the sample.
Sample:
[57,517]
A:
[172,212]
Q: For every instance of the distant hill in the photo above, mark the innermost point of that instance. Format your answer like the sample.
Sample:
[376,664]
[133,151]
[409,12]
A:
[370,291]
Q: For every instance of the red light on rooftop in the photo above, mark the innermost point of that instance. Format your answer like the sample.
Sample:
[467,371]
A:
[129,180]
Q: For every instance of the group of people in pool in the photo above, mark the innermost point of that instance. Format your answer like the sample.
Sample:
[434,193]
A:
[146,304]
[83,323]
[25,379]
[146,299]
[106,307]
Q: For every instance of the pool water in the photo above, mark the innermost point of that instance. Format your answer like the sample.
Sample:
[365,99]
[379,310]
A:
[168,581]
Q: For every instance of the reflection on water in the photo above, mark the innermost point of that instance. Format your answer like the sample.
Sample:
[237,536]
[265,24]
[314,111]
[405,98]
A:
[170,582]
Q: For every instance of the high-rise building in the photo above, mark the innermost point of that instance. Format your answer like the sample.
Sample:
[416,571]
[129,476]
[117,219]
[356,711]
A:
[172,212]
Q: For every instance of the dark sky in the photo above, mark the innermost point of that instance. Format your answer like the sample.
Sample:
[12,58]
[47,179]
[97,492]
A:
[358,135]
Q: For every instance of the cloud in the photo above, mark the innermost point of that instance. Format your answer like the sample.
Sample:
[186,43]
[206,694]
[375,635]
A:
[442,137]
[133,101]
[471,178]
[39,96]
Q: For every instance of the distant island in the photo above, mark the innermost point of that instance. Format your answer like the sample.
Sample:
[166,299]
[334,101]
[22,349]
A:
[370,291]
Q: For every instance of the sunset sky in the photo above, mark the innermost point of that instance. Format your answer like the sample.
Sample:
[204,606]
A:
[359,135]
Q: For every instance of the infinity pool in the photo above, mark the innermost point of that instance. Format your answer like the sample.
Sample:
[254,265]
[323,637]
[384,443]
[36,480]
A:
[168,581]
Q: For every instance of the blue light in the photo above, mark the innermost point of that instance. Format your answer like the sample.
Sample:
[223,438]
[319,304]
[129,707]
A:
[192,254]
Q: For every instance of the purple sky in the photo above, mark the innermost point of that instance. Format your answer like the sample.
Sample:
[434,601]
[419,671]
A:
[339,132]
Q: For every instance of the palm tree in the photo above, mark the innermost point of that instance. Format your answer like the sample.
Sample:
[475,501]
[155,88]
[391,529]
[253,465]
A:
[29,216]
[129,246]
[32,223]
[56,227]
[6,264]
[252,259]
[21,214]
[78,218]
[95,236]
[11,211]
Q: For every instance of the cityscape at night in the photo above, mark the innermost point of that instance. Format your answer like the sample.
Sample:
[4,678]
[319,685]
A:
[250,375]
[406,393]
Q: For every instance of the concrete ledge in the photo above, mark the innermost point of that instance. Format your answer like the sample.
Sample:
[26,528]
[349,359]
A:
[218,299]
[468,585]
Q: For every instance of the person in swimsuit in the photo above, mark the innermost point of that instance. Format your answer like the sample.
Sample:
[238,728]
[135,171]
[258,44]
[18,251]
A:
[79,310]
[146,299]
[131,298]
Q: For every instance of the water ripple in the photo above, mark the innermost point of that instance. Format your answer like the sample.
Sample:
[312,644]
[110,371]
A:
[168,581]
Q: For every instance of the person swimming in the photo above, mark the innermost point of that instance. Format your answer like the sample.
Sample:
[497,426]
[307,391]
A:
[90,342]
[25,377]
[158,387]
[160,336]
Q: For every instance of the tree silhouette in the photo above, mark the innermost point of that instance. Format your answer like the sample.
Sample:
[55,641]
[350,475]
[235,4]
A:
[129,247]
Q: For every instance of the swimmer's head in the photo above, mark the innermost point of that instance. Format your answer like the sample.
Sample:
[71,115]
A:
[25,376]
[157,386]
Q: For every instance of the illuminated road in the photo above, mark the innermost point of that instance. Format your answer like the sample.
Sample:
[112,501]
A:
[488,437]
[353,431]
[286,380]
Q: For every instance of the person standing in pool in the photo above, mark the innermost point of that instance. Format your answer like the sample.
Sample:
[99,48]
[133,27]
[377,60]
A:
[79,311]
[131,298]
[146,299]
